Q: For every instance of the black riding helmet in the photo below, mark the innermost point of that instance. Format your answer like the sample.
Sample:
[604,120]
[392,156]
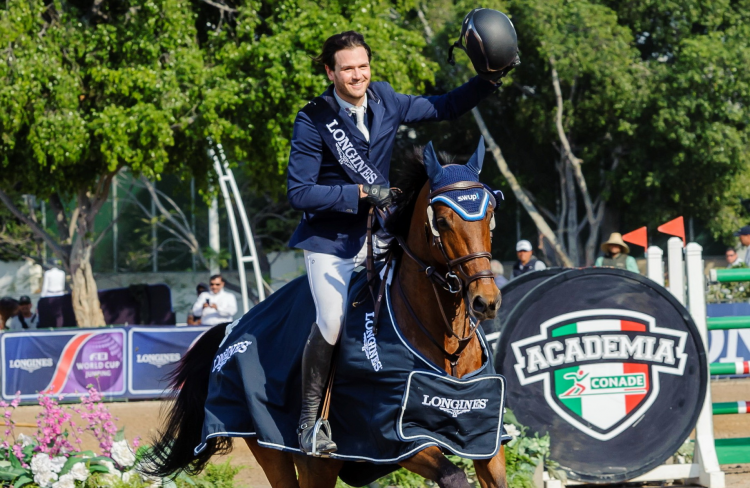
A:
[489,39]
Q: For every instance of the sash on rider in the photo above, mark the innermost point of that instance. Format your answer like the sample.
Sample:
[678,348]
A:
[350,151]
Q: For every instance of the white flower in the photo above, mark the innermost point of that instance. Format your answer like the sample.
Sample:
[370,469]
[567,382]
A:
[122,454]
[58,463]
[79,471]
[110,467]
[41,463]
[44,478]
[511,430]
[65,481]
[25,440]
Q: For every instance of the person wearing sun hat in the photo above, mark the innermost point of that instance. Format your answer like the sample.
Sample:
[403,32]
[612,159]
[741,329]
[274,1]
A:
[616,254]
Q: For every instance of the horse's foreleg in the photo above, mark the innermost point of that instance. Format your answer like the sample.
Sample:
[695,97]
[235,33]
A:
[315,472]
[431,464]
[491,472]
[278,466]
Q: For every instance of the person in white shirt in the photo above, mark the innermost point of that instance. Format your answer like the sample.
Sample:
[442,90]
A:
[217,306]
[24,319]
[54,283]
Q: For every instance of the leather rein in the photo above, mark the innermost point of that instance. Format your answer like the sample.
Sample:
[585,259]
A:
[454,281]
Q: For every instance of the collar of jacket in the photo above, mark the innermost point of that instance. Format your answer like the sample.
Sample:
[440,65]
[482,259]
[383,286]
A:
[374,104]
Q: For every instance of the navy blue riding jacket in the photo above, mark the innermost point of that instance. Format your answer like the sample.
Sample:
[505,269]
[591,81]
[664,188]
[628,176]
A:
[335,222]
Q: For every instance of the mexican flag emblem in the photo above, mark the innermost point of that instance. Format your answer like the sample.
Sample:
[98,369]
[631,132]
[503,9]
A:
[600,368]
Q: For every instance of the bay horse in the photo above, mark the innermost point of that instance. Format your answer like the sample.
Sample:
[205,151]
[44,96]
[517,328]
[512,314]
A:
[442,279]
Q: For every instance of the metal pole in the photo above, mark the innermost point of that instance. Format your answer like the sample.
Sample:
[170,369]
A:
[705,449]
[213,235]
[654,264]
[192,216]
[246,225]
[44,226]
[235,233]
[154,243]
[676,269]
[114,226]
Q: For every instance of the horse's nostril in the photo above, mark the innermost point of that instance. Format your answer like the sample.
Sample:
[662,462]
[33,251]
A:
[479,304]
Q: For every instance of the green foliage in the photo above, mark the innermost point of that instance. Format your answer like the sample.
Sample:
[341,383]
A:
[214,476]
[263,74]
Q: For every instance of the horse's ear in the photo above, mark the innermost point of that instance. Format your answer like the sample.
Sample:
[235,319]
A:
[476,160]
[431,163]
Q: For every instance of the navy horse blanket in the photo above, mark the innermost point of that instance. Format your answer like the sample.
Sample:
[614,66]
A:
[388,401]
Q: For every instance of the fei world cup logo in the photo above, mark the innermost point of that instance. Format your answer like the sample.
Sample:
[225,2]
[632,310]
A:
[601,367]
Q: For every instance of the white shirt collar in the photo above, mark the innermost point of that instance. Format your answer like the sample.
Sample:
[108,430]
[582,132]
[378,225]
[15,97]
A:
[346,105]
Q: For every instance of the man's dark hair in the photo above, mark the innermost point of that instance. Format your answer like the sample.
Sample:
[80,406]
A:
[217,276]
[730,249]
[338,42]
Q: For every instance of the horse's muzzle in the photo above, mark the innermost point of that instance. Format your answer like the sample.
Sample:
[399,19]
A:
[485,308]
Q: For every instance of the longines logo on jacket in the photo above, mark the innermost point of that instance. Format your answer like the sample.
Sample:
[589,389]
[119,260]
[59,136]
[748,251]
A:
[371,343]
[348,156]
[455,407]
[601,367]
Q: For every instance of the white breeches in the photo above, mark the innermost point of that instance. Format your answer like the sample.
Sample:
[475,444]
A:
[329,278]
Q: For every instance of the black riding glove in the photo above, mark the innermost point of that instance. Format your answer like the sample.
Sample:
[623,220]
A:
[378,195]
[496,76]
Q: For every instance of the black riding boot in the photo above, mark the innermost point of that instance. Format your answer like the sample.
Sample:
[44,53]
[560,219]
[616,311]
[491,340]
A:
[316,365]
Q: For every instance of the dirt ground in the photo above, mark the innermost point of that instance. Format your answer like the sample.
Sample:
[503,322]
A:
[142,419]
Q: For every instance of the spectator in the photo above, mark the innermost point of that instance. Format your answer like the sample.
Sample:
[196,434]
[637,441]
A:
[191,319]
[24,319]
[497,268]
[616,254]
[8,308]
[744,235]
[733,260]
[216,306]
[53,284]
[526,261]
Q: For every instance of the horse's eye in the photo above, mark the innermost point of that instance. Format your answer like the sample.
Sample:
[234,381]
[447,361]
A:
[443,223]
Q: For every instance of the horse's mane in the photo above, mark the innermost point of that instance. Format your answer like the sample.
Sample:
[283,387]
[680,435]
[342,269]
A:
[410,178]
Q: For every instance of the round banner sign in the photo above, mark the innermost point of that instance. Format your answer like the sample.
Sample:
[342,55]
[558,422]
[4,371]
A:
[610,365]
[512,292]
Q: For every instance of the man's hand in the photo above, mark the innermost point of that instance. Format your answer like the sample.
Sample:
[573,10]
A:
[378,195]
[205,305]
[213,305]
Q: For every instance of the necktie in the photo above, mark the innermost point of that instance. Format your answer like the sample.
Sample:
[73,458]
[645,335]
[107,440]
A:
[360,113]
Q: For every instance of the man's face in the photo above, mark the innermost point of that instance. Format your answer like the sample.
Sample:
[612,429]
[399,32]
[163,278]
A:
[524,256]
[614,249]
[351,74]
[731,256]
[25,309]
[216,285]
[745,240]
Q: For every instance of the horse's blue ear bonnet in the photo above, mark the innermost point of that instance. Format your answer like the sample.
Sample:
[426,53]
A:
[471,204]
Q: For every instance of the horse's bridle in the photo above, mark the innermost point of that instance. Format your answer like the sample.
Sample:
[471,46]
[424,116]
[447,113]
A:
[455,280]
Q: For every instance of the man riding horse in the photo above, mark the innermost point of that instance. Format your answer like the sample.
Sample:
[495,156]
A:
[338,168]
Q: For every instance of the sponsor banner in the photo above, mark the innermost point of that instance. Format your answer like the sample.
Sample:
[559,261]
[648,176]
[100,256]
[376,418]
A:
[728,346]
[601,359]
[63,362]
[154,353]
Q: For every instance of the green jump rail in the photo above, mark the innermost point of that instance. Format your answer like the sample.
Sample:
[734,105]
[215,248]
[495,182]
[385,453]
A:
[725,323]
[739,367]
[729,408]
[729,275]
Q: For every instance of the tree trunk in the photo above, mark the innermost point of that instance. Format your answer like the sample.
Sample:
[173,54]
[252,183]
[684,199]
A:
[85,294]
[525,201]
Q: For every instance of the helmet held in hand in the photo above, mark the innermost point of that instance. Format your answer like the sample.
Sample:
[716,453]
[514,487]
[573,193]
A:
[489,39]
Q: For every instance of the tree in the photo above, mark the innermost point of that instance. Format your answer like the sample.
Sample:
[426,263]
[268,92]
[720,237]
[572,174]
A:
[91,88]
